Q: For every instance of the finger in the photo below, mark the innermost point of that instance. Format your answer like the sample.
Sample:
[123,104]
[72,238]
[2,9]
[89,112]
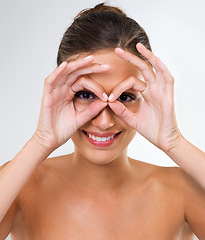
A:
[87,83]
[167,75]
[161,83]
[147,54]
[94,68]
[129,83]
[56,77]
[90,112]
[144,67]
[160,67]
[156,62]
[73,66]
[79,63]
[122,112]
[56,74]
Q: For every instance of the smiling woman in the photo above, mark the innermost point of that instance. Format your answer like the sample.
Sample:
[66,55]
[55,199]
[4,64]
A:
[106,123]
[108,85]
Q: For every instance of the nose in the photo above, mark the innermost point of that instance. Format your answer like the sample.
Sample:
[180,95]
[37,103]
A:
[104,120]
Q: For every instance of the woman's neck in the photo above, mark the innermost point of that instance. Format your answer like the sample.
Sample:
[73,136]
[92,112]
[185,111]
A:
[104,178]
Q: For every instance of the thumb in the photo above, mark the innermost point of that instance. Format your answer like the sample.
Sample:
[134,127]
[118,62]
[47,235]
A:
[90,112]
[122,112]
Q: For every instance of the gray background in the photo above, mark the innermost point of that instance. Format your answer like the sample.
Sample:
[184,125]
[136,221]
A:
[30,35]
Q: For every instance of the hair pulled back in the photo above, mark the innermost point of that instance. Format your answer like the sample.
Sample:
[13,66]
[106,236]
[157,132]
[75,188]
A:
[99,28]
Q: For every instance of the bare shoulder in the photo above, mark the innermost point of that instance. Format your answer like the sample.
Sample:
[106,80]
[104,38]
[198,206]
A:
[159,177]
[164,188]
[4,165]
[187,192]
[177,178]
[46,177]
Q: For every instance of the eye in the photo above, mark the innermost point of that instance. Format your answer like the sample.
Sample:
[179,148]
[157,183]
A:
[126,97]
[85,95]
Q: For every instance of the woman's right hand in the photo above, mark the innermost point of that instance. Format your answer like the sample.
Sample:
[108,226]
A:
[58,118]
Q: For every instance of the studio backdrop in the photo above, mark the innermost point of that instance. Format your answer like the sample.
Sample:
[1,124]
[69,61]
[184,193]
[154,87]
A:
[31,32]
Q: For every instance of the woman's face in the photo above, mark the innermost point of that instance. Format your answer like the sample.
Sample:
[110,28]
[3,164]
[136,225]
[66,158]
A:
[106,137]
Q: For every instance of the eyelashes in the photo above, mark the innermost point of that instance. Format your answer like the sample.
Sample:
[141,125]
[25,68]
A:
[126,97]
[89,96]
[85,95]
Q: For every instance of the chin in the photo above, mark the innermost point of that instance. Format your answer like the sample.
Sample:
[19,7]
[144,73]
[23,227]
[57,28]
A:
[105,158]
[102,153]
[98,157]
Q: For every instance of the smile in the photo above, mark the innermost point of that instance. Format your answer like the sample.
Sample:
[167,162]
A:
[101,139]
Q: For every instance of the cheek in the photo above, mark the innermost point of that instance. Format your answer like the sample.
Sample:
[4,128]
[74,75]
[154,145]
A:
[128,137]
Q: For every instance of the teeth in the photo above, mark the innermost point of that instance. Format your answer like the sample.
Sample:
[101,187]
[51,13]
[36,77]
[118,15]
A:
[100,139]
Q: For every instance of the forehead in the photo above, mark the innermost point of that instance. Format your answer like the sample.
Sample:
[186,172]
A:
[119,69]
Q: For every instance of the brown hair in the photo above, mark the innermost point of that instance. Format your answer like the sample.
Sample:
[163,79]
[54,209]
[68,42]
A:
[99,28]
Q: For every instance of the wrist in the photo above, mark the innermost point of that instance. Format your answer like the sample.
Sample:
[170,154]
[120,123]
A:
[38,148]
[45,143]
[178,147]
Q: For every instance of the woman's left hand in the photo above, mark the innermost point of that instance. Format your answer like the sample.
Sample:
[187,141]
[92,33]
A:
[156,119]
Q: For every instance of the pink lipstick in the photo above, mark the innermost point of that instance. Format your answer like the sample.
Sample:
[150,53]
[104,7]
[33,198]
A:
[101,139]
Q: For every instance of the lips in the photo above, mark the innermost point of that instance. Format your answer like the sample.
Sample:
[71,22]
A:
[101,139]
[98,134]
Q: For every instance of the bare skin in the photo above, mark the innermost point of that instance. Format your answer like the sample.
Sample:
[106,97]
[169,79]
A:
[98,192]
[149,205]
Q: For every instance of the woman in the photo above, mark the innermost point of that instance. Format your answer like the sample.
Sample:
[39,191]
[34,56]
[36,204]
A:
[103,91]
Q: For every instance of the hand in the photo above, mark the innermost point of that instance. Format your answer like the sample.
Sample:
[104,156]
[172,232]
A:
[58,118]
[156,119]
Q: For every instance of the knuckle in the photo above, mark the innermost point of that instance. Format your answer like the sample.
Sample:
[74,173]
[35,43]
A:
[171,80]
[133,79]
[145,66]
[77,74]
[74,75]
[71,94]
[68,84]
[53,75]
[47,80]
[82,80]
[124,112]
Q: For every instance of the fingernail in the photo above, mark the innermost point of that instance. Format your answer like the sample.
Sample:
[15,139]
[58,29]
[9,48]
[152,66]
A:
[105,66]
[62,64]
[88,57]
[140,44]
[159,59]
[105,97]
[120,50]
[111,97]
